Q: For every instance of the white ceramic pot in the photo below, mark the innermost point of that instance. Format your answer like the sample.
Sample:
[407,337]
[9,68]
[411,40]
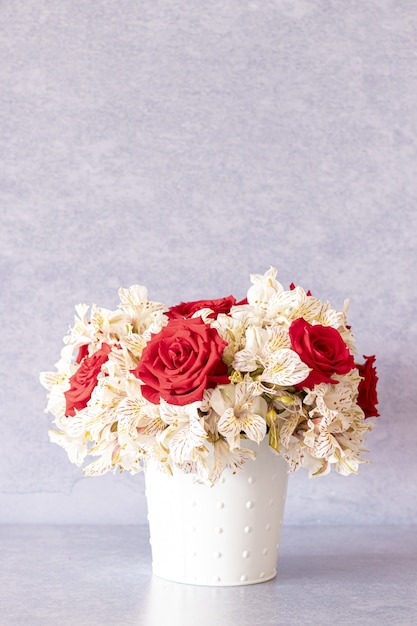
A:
[222,535]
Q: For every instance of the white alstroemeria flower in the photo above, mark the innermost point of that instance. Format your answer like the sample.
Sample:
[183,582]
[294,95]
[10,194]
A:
[184,433]
[104,326]
[263,288]
[139,419]
[270,349]
[143,314]
[133,297]
[338,320]
[240,409]
[96,421]
[75,427]
[298,455]
[351,435]
[286,306]
[131,456]
[107,452]
[82,331]
[330,400]
[278,338]
[74,446]
[232,329]
[321,411]
[197,467]
[134,345]
[223,457]
[329,317]
[289,425]
[322,427]
[334,431]
[110,323]
[187,442]
[283,368]
[155,323]
[56,383]
[250,358]
[324,444]
[348,463]
[294,453]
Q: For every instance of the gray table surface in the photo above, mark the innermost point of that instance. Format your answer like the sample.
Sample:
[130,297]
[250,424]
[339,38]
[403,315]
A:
[99,575]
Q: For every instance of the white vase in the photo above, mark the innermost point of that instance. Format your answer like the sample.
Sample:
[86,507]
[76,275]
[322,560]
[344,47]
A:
[222,535]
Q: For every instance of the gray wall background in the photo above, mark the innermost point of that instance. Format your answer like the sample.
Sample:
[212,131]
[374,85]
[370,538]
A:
[184,145]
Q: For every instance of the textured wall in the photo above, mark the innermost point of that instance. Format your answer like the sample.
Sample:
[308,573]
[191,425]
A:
[184,145]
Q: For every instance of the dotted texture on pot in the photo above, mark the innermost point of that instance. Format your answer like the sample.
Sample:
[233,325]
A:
[222,535]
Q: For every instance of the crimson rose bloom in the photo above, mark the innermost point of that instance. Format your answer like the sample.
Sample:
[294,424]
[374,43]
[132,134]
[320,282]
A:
[321,348]
[181,361]
[368,398]
[84,380]
[187,309]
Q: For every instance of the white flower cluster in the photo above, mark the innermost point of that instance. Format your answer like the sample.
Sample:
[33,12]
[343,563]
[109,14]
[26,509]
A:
[318,428]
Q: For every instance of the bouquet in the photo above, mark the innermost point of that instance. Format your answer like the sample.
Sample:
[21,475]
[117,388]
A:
[188,385]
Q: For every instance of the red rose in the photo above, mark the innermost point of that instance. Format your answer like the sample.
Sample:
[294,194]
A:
[321,348]
[84,380]
[368,398]
[187,309]
[181,361]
